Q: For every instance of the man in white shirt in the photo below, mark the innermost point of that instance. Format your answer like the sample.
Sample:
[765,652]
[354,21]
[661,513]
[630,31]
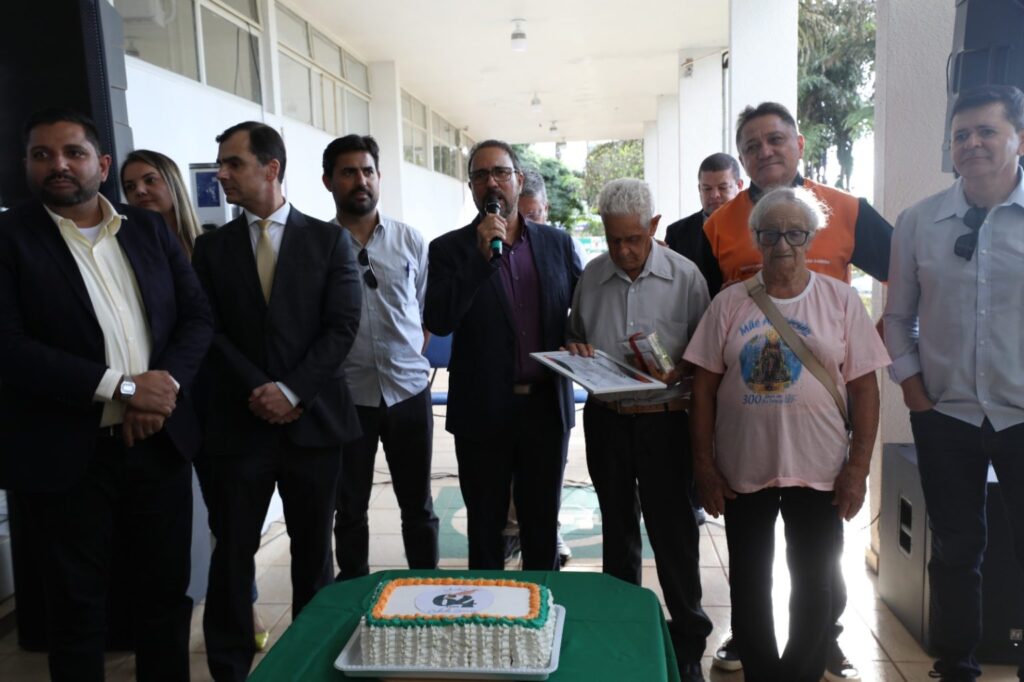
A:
[386,371]
[953,326]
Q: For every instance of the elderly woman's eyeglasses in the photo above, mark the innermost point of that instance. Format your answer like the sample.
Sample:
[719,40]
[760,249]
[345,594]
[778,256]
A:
[501,175]
[792,237]
[965,244]
[368,276]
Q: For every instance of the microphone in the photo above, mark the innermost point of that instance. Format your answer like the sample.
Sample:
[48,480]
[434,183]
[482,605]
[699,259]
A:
[493,207]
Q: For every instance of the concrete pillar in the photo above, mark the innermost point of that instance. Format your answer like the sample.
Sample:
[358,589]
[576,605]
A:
[666,193]
[762,54]
[701,121]
[386,128]
[913,42]
[651,154]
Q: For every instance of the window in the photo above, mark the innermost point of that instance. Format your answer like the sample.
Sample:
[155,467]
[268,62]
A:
[326,54]
[161,33]
[247,8]
[414,130]
[447,156]
[296,93]
[357,114]
[356,73]
[291,31]
[231,56]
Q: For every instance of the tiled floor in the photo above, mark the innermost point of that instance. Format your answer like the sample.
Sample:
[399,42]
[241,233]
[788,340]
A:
[875,641]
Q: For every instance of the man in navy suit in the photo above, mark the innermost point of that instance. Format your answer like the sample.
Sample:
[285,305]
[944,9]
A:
[511,418]
[286,299]
[102,328]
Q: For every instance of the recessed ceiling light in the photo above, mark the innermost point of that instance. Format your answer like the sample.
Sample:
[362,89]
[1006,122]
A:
[518,36]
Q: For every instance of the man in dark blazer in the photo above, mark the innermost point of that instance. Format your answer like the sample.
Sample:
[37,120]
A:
[510,417]
[103,326]
[718,181]
[286,298]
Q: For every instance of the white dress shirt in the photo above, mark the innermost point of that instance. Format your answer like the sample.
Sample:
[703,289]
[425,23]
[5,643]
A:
[960,323]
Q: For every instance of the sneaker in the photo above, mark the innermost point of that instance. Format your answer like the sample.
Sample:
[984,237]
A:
[262,633]
[511,547]
[700,516]
[838,667]
[564,553]
[727,656]
[691,672]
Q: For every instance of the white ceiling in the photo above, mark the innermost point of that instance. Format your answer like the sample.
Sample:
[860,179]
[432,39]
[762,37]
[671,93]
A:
[597,66]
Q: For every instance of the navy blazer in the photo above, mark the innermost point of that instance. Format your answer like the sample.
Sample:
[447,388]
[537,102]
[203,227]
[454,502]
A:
[300,337]
[465,296]
[52,355]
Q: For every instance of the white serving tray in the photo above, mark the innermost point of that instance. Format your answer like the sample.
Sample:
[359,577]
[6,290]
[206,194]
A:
[350,662]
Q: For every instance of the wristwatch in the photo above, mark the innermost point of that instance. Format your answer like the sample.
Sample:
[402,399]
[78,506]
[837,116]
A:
[127,388]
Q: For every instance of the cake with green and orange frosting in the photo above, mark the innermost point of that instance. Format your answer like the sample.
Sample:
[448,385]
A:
[458,623]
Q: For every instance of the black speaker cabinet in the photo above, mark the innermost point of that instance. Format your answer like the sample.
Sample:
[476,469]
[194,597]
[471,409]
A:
[905,549]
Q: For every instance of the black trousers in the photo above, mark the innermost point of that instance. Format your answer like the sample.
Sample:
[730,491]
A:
[147,492]
[642,462]
[239,488]
[532,456]
[813,529]
[406,430]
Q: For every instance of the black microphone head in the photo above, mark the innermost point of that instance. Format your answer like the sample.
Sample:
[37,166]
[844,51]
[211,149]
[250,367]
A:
[492,206]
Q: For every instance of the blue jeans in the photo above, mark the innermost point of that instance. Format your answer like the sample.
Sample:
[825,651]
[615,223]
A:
[953,458]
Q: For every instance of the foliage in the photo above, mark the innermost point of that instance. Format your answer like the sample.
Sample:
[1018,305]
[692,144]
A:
[564,187]
[611,161]
[835,81]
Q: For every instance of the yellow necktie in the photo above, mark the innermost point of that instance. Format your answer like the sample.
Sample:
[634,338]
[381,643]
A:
[265,259]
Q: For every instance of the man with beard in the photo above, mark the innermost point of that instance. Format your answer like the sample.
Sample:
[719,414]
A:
[503,285]
[386,371]
[102,328]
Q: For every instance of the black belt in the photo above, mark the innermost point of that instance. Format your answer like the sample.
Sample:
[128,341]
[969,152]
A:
[112,431]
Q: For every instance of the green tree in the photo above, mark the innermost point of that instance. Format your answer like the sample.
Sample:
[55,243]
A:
[564,187]
[835,81]
[611,161]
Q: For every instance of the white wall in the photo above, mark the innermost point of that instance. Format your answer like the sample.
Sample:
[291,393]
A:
[434,203]
[666,192]
[700,124]
[651,156]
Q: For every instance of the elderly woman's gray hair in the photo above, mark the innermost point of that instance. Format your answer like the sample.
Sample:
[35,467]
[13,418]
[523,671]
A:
[627,196]
[815,212]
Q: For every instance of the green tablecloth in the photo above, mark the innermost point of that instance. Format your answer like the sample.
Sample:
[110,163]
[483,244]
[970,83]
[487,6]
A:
[614,631]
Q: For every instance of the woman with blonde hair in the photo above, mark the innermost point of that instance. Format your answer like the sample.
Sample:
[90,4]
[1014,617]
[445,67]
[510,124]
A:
[152,180]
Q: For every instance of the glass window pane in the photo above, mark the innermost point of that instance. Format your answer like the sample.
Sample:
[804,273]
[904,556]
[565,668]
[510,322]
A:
[419,113]
[330,115]
[356,73]
[326,54]
[246,8]
[295,91]
[231,55]
[339,99]
[406,106]
[163,34]
[291,31]
[357,111]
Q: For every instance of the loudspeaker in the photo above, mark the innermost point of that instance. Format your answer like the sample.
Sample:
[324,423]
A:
[905,548]
[67,53]
[988,48]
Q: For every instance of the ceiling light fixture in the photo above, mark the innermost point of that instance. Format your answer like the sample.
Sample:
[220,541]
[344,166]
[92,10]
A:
[518,36]
[535,106]
[554,128]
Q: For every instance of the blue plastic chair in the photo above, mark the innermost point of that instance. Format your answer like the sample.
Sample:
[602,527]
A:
[437,353]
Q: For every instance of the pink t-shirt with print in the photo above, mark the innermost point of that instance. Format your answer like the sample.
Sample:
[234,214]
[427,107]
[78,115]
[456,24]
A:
[776,425]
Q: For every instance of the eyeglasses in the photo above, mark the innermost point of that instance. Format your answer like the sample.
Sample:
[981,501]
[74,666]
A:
[368,276]
[965,244]
[792,237]
[501,175]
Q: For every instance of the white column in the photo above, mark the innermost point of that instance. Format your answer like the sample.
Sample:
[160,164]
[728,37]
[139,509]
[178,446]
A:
[651,154]
[701,121]
[666,193]
[913,42]
[386,127]
[762,54]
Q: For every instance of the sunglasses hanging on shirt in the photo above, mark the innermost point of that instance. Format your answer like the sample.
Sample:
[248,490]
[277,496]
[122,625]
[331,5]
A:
[966,243]
[368,276]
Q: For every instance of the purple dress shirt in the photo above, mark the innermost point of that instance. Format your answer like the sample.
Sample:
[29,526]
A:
[522,288]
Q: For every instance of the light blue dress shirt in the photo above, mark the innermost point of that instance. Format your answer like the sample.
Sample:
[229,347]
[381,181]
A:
[386,360]
[958,322]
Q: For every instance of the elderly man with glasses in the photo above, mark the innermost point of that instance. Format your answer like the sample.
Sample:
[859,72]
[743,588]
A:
[503,286]
[953,326]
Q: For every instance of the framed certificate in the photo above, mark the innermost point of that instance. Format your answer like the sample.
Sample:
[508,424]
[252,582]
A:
[599,374]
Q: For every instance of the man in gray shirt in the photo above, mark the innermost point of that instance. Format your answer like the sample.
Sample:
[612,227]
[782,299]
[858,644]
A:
[386,371]
[953,326]
[638,444]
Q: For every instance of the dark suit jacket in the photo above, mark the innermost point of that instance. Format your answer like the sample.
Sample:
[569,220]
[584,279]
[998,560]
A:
[465,296]
[52,355]
[686,237]
[299,338]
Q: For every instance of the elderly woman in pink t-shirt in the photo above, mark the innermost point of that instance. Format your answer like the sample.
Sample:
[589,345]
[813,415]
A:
[769,437]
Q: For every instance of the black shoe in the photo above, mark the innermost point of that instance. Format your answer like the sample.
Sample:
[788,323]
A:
[691,672]
[727,656]
[838,667]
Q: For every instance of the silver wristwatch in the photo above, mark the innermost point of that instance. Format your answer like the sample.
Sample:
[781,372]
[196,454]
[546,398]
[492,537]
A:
[127,388]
